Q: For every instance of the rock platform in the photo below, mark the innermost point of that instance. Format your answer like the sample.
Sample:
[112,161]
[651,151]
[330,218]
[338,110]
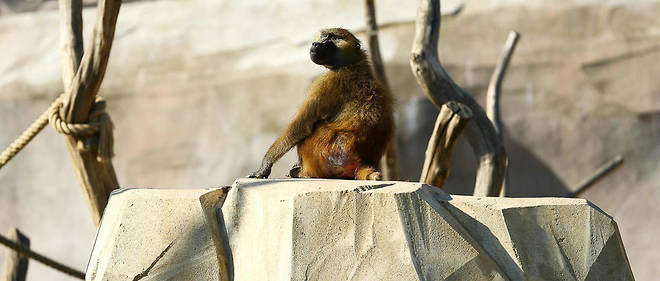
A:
[291,229]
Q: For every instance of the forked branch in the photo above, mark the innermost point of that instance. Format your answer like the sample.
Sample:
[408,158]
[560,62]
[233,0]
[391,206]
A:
[81,77]
[440,88]
[85,84]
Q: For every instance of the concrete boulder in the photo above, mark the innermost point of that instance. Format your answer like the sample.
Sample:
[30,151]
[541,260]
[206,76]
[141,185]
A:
[353,230]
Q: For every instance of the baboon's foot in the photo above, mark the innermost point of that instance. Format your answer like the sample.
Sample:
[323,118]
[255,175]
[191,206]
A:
[367,173]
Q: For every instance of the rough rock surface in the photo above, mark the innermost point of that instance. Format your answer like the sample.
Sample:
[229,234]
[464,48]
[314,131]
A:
[356,230]
[153,234]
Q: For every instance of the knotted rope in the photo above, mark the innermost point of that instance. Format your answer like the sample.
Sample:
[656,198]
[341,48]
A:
[99,121]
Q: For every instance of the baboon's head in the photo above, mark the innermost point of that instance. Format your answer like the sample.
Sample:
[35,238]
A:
[335,48]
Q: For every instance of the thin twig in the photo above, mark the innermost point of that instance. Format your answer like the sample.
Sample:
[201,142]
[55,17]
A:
[603,171]
[495,86]
[493,96]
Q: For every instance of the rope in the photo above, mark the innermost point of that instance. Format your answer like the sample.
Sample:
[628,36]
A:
[99,122]
[28,134]
[26,252]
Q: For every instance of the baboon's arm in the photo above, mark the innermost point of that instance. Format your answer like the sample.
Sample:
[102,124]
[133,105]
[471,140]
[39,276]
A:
[318,106]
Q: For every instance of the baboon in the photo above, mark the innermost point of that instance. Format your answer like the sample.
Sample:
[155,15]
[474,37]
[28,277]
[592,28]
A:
[345,122]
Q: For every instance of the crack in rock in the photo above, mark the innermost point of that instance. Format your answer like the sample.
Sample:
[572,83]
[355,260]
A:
[146,271]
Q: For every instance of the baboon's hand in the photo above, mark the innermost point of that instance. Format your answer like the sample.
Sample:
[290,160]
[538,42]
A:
[262,173]
[295,171]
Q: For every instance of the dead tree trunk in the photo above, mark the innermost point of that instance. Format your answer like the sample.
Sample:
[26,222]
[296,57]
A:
[82,76]
[390,166]
[16,265]
[493,95]
[440,88]
[448,126]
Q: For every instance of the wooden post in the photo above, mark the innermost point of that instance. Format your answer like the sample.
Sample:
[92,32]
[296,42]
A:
[451,121]
[440,88]
[97,178]
[16,265]
[390,165]
[493,95]
[26,252]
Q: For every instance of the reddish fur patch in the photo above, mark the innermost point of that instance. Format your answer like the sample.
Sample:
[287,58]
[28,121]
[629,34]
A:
[350,170]
[358,126]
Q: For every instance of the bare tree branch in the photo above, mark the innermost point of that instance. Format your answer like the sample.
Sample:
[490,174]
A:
[495,86]
[603,171]
[71,39]
[88,78]
[440,88]
[373,44]
[448,126]
[97,178]
[493,95]
[390,166]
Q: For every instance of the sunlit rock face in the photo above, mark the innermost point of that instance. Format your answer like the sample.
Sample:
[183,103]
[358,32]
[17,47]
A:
[355,230]
[153,234]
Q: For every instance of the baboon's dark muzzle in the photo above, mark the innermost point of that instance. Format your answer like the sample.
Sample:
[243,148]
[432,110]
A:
[321,52]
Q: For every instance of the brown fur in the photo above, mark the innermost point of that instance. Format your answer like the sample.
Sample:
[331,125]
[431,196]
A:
[345,122]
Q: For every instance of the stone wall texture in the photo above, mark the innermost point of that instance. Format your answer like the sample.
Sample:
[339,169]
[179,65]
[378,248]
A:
[199,89]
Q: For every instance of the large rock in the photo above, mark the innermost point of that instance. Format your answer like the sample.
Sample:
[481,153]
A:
[355,230]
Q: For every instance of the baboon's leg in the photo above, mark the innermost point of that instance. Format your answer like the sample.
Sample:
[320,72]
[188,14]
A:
[367,173]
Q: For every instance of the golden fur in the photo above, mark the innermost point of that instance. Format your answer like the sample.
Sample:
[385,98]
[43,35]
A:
[345,123]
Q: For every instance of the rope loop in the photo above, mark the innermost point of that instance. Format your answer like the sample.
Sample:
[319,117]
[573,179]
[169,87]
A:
[94,135]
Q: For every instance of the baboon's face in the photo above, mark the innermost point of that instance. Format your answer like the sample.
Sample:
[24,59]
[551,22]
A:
[334,48]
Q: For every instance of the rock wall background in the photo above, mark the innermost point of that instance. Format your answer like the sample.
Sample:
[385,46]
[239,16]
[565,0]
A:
[199,89]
